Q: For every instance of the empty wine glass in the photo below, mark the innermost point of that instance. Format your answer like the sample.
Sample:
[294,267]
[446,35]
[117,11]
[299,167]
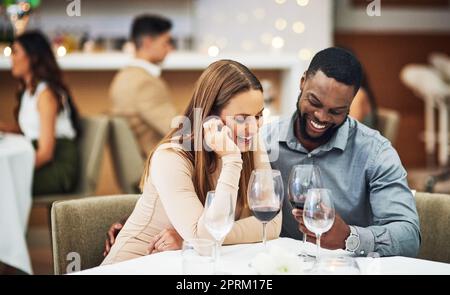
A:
[318,213]
[265,196]
[301,179]
[219,218]
[198,257]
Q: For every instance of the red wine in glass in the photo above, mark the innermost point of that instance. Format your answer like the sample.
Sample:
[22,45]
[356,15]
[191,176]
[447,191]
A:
[265,213]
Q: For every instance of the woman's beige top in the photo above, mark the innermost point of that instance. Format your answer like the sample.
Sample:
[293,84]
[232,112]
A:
[169,200]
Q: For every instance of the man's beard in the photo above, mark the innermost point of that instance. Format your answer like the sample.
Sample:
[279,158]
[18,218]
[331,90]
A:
[325,137]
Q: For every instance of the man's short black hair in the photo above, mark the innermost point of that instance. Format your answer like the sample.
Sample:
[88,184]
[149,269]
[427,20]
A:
[149,25]
[339,64]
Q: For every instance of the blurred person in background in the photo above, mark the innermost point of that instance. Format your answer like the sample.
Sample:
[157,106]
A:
[45,114]
[364,105]
[138,93]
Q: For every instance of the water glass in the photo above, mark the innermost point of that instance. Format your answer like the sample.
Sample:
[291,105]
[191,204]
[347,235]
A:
[198,257]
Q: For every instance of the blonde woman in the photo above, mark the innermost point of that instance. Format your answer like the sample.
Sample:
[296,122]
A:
[180,171]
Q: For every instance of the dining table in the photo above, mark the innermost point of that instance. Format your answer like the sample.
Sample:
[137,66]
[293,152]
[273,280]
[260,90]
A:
[241,260]
[17,158]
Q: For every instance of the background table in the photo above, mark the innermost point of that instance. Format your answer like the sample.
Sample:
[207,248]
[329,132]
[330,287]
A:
[236,260]
[16,176]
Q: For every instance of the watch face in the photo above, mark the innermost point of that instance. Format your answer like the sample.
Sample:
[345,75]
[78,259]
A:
[352,243]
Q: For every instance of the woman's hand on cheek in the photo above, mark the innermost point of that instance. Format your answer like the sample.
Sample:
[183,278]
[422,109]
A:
[218,137]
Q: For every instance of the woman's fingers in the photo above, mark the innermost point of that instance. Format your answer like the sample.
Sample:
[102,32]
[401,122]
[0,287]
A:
[151,245]
[159,242]
[107,248]
[153,241]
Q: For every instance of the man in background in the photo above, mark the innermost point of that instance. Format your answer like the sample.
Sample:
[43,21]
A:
[138,93]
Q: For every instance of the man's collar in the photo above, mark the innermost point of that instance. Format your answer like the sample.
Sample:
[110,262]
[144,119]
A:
[338,140]
[149,67]
[287,129]
[340,137]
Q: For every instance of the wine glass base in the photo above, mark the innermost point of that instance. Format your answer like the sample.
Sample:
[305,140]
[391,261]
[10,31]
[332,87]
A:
[307,256]
[308,261]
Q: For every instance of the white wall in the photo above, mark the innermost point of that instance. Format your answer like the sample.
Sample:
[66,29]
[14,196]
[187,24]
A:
[237,27]
[110,18]
[392,19]
[233,25]
[249,25]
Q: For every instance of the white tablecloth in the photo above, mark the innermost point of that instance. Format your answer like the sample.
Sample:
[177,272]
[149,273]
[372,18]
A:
[16,175]
[236,259]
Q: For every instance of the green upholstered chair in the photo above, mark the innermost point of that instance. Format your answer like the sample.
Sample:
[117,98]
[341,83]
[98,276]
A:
[126,156]
[434,215]
[79,226]
[388,123]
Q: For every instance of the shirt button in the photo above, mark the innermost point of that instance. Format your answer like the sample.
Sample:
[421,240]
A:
[309,155]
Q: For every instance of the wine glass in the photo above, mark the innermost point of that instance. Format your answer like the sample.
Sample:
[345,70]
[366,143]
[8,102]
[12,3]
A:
[341,265]
[219,218]
[318,213]
[265,196]
[301,179]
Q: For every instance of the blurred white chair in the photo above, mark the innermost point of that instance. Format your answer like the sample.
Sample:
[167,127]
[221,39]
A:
[426,82]
[429,83]
[441,62]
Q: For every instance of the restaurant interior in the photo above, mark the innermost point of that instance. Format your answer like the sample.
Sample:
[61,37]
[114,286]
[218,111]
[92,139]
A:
[403,47]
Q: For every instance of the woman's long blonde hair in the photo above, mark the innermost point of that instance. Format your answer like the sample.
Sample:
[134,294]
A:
[217,85]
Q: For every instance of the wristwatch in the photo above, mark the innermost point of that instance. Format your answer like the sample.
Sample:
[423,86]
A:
[352,242]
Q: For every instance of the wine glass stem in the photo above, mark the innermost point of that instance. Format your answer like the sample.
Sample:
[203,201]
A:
[304,244]
[217,256]
[318,246]
[264,234]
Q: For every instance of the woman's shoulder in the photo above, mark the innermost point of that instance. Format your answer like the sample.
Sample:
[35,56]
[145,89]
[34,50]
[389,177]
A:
[172,156]
[41,86]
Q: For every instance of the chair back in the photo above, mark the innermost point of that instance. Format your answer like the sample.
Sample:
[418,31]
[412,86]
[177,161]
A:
[92,144]
[434,216]
[126,156]
[79,227]
[388,123]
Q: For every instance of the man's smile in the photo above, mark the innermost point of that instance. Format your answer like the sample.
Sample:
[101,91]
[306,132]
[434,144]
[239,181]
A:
[316,127]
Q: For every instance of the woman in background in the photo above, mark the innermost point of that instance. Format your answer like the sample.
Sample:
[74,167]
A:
[178,175]
[364,106]
[45,114]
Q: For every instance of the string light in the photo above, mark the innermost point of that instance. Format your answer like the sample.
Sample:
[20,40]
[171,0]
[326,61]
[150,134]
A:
[302,2]
[298,27]
[259,13]
[305,54]
[61,51]
[277,42]
[280,24]
[7,51]
[213,51]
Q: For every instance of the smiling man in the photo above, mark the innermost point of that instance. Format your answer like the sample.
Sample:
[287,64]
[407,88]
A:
[375,209]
